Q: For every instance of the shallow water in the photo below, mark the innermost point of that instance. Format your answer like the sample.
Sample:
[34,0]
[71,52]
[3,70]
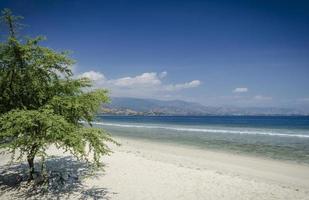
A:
[276,137]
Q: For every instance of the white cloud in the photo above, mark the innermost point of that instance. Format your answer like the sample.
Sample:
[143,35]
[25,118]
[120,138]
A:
[92,75]
[192,84]
[262,98]
[240,90]
[163,74]
[144,80]
[148,84]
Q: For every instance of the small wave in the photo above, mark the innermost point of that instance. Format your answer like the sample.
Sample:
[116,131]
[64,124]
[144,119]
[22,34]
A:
[203,130]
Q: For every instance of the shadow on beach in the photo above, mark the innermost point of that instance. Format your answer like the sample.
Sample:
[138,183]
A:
[64,174]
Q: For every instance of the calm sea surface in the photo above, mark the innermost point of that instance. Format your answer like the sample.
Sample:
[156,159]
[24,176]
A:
[284,138]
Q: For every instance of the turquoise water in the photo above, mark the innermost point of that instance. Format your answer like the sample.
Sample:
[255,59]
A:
[285,138]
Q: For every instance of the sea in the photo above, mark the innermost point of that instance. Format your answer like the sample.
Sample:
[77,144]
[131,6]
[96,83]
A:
[276,137]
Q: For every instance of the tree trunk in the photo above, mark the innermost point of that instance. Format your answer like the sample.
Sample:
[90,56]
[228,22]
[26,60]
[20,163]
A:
[31,167]
[30,159]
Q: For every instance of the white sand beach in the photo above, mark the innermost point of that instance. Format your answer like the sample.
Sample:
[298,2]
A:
[148,170]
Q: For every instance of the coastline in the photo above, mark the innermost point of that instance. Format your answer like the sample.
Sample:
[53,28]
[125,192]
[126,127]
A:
[141,169]
[281,171]
[280,138]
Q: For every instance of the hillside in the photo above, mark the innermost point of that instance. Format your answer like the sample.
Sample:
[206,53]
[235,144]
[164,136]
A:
[136,106]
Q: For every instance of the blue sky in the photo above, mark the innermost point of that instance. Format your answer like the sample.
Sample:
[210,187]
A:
[240,53]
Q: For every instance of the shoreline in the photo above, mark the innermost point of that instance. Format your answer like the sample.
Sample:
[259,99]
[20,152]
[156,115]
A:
[150,170]
[274,138]
[219,160]
[206,148]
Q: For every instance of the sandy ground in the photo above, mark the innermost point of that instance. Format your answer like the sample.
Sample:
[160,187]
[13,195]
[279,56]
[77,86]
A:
[147,170]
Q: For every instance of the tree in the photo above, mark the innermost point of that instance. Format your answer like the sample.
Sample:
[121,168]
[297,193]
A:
[42,104]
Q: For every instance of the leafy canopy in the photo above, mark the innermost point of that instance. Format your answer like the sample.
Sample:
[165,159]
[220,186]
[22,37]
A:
[41,103]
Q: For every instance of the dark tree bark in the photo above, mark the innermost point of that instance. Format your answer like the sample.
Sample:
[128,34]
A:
[30,160]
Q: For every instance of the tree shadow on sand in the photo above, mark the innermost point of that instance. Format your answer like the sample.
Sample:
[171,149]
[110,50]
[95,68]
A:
[64,181]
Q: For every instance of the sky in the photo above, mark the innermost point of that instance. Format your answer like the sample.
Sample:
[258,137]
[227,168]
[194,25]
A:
[218,53]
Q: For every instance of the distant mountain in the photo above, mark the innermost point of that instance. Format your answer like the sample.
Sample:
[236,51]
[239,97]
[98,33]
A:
[136,106]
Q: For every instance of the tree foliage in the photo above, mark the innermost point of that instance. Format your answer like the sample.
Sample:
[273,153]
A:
[42,104]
